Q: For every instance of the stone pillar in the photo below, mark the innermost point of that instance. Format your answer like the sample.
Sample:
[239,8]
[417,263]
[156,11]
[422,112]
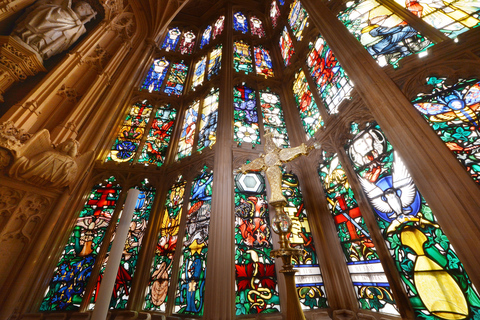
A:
[447,187]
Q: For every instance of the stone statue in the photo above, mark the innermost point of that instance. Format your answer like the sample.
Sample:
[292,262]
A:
[49,27]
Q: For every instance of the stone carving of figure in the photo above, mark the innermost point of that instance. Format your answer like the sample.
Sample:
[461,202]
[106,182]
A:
[49,27]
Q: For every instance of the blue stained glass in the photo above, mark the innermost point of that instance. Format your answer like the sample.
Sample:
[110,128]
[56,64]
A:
[154,79]
[263,62]
[176,79]
[282,2]
[199,73]
[240,22]
[171,39]
[206,37]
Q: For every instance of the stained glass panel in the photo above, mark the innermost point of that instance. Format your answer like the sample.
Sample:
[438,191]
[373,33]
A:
[242,60]
[263,62]
[367,274]
[187,43]
[206,37]
[432,274]
[240,22]
[453,112]
[199,73]
[256,27]
[273,119]
[70,277]
[297,19]
[308,279]
[274,13]
[185,144]
[171,39]
[193,261]
[218,27]
[311,118]
[215,62]
[286,47]
[159,136]
[156,74]
[245,116]
[176,79]
[332,82]
[255,278]
[384,34]
[161,272]
[131,133]
[208,122]
[282,2]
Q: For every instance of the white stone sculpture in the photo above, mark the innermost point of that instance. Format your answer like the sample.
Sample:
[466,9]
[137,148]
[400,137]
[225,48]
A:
[49,27]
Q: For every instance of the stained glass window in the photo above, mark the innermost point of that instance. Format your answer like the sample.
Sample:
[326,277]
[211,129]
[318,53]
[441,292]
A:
[176,79]
[131,133]
[282,2]
[70,277]
[208,122]
[215,62]
[255,277]
[185,144]
[366,271]
[171,39]
[187,43]
[240,22]
[206,37]
[256,27]
[159,136]
[245,115]
[452,17]
[297,19]
[452,111]
[286,47]
[309,281]
[218,27]
[432,274]
[311,118]
[384,34]
[263,62]
[332,82]
[133,243]
[161,272]
[273,119]
[199,73]
[156,74]
[242,60]
[274,13]
[193,261]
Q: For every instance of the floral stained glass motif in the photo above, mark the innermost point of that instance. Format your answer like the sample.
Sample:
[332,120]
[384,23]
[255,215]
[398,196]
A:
[133,243]
[453,113]
[366,271]
[131,133]
[185,144]
[159,136]
[255,278]
[199,73]
[263,62]
[274,13]
[311,118]
[433,276]
[193,260]
[206,37]
[160,275]
[332,82]
[273,119]
[67,287]
[256,27]
[242,60]
[218,27]
[297,19]
[187,43]
[452,17]
[240,22]
[176,79]
[215,62]
[245,116]
[171,39]
[308,279]
[156,74]
[286,47]
[208,122]
[384,34]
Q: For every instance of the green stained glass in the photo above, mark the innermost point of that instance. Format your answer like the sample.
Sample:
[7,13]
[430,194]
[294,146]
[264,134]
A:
[273,118]
[311,118]
[297,19]
[242,60]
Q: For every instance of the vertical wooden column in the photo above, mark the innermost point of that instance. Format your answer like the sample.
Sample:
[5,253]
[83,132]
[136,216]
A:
[220,278]
[447,187]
